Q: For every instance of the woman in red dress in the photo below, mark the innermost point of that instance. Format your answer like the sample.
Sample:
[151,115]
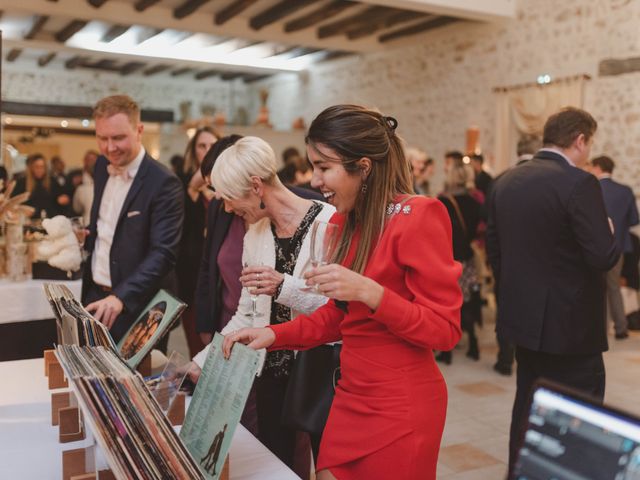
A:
[394,286]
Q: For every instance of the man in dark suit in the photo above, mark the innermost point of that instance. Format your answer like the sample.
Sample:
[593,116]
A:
[549,242]
[136,220]
[620,203]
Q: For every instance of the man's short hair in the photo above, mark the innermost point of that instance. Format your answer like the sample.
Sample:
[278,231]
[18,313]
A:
[528,145]
[604,163]
[564,127]
[110,106]
[455,154]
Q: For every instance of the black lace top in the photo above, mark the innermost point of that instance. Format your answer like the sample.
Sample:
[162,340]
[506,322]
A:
[278,364]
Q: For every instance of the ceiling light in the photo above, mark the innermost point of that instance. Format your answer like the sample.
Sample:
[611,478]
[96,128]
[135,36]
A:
[85,123]
[64,123]
[8,120]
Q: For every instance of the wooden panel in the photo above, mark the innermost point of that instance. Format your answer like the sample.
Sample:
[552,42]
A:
[38,23]
[46,58]
[71,29]
[188,7]
[278,11]
[323,13]
[233,9]
[421,27]
[114,32]
[618,66]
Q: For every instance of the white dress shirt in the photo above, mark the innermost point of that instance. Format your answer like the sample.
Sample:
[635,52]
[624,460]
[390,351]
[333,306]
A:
[559,153]
[115,192]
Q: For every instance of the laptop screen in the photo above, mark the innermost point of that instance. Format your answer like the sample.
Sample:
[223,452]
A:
[569,438]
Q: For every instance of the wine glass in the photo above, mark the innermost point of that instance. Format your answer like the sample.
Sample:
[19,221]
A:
[252,258]
[79,229]
[324,239]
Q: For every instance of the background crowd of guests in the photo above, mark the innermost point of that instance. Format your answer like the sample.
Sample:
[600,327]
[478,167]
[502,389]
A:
[229,234]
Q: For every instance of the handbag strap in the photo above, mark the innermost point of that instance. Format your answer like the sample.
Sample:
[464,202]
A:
[456,207]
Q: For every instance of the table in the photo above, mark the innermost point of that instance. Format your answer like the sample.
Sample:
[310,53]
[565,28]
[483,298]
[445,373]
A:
[29,447]
[26,319]
[26,301]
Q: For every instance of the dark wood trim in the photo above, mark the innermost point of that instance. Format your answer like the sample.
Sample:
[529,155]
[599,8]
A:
[148,33]
[187,8]
[340,27]
[97,3]
[251,78]
[519,86]
[75,111]
[108,64]
[142,5]
[44,60]
[13,54]
[181,71]
[335,54]
[421,27]
[231,75]
[114,32]
[206,74]
[299,51]
[231,10]
[131,67]
[38,23]
[385,21]
[58,130]
[278,11]
[156,69]
[70,30]
[323,13]
[74,62]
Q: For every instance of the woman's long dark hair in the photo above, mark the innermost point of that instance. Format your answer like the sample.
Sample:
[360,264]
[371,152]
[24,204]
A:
[354,132]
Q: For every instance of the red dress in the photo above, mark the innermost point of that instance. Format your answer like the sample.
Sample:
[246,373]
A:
[390,405]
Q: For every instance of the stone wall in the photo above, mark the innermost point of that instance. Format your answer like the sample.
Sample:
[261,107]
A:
[443,85]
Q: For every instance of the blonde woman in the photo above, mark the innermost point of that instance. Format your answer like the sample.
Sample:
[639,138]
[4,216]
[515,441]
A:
[38,183]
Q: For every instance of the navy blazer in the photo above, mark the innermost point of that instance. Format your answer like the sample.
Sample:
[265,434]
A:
[549,243]
[146,238]
[208,295]
[620,203]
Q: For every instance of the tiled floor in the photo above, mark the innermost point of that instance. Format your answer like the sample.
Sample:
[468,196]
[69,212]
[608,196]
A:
[474,444]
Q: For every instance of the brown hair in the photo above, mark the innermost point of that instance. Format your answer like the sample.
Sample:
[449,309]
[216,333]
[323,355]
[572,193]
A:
[562,128]
[30,180]
[190,165]
[604,163]
[110,106]
[354,132]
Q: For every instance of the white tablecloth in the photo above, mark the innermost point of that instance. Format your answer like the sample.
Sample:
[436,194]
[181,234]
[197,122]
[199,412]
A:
[29,447]
[26,301]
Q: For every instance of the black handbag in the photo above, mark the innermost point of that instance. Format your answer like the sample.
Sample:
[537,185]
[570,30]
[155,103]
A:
[311,387]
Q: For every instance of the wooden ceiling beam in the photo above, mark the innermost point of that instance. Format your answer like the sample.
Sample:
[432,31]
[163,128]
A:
[70,30]
[114,32]
[44,60]
[320,15]
[156,69]
[363,17]
[142,5]
[187,8]
[251,78]
[421,27]
[131,67]
[231,10]
[38,23]
[278,11]
[13,54]
[231,76]
[206,74]
[335,54]
[96,3]
[181,71]
[74,62]
[392,19]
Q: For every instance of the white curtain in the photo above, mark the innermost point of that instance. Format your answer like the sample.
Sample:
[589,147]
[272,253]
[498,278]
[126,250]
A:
[524,110]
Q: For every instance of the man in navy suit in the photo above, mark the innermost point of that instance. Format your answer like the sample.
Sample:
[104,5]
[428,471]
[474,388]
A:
[620,203]
[136,220]
[549,242]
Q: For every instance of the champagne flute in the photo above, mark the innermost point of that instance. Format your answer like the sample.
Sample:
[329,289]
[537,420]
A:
[252,259]
[77,224]
[324,239]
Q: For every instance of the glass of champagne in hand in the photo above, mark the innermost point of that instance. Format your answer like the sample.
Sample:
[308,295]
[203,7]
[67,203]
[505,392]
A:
[324,239]
[79,229]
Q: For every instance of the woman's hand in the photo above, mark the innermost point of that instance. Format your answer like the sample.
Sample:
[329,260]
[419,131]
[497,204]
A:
[255,338]
[261,280]
[340,283]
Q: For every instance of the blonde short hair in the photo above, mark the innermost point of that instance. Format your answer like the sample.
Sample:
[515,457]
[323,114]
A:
[110,106]
[248,157]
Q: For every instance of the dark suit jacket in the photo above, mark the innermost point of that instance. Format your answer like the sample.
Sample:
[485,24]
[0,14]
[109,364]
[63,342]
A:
[145,242]
[620,203]
[549,242]
[208,299]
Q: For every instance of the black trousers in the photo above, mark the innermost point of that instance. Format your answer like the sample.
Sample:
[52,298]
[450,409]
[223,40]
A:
[505,353]
[581,372]
[276,437]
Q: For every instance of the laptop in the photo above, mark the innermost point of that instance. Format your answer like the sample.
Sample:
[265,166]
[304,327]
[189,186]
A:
[572,437]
